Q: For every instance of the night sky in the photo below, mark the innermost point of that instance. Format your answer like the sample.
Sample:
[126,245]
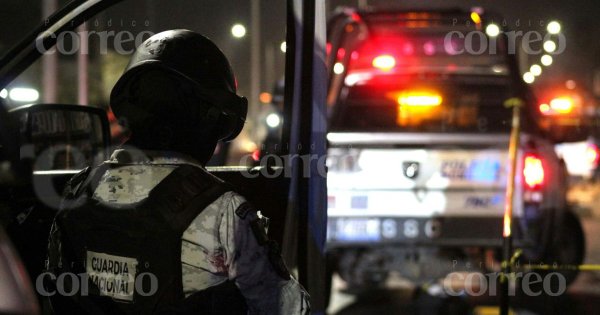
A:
[580,20]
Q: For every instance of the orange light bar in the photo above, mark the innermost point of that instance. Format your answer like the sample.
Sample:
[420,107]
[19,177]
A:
[384,62]
[561,105]
[421,99]
[533,171]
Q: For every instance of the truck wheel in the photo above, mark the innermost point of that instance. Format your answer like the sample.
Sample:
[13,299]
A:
[567,246]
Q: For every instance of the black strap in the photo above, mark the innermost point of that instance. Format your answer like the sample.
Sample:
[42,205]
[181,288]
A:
[185,193]
[93,179]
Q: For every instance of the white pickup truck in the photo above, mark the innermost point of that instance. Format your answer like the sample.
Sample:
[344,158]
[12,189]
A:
[418,155]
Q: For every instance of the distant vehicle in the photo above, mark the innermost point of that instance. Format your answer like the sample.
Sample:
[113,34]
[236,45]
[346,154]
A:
[419,147]
[581,157]
[577,108]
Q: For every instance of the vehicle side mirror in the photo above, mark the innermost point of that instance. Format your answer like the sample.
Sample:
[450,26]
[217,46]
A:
[60,136]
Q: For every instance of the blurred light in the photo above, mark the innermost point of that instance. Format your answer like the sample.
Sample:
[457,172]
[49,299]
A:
[355,17]
[273,120]
[506,232]
[265,97]
[498,69]
[353,78]
[558,106]
[549,46]
[475,17]
[553,27]
[416,98]
[528,77]
[536,70]
[562,105]
[429,48]
[570,84]
[384,62]
[283,47]
[492,30]
[24,94]
[338,68]
[547,60]
[256,155]
[238,31]
[592,154]
[3,93]
[408,48]
[533,171]
[248,146]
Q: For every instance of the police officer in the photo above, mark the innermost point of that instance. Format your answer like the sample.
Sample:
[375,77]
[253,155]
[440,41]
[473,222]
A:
[150,231]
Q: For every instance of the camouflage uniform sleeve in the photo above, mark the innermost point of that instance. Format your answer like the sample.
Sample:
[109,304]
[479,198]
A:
[256,267]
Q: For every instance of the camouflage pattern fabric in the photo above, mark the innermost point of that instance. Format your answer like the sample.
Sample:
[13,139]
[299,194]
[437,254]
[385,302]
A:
[218,245]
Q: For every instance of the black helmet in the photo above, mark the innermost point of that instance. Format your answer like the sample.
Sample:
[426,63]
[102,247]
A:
[196,60]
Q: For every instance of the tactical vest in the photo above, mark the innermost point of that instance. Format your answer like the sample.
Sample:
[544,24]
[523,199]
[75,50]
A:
[130,254]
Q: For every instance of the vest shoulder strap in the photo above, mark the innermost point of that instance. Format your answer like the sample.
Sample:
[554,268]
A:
[185,193]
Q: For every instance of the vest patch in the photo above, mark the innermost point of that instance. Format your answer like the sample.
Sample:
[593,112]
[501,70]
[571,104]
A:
[113,275]
[243,210]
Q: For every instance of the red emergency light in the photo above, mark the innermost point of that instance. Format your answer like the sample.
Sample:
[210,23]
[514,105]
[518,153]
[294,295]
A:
[533,171]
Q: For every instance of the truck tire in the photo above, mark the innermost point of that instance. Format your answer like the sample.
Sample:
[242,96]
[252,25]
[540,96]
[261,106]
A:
[567,246]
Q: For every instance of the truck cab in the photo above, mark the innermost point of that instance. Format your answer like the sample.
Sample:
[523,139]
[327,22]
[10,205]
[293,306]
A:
[418,149]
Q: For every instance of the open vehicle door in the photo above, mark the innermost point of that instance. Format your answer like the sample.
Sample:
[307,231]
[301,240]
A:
[296,199]
[15,286]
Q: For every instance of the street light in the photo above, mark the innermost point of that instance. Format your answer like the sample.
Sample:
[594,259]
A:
[24,94]
[553,27]
[536,70]
[528,77]
[492,30]
[238,31]
[338,68]
[547,60]
[283,47]
[549,46]
[273,120]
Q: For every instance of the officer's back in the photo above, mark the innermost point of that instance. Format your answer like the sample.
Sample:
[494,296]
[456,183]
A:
[150,230]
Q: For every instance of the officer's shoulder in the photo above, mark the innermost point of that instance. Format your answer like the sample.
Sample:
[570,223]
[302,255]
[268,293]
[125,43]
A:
[238,204]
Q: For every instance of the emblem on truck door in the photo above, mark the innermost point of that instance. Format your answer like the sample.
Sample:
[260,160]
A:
[411,169]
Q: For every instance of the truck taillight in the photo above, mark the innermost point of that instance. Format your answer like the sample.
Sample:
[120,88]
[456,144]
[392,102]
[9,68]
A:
[533,171]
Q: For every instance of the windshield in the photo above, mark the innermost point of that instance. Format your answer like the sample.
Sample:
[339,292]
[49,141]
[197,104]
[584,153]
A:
[440,50]
[415,42]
